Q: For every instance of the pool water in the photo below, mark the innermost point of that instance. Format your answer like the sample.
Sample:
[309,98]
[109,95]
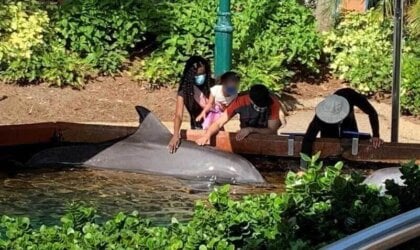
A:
[44,194]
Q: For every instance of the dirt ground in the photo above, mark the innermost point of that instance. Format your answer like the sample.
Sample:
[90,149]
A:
[108,99]
[112,100]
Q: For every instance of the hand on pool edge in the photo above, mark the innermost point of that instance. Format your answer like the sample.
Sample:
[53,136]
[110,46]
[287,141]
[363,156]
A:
[377,142]
[202,141]
[243,133]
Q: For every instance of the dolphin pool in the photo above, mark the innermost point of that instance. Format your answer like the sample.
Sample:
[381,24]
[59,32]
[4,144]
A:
[44,194]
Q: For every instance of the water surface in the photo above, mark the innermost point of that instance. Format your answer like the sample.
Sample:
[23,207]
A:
[44,194]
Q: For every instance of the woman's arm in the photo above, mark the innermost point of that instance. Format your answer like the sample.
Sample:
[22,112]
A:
[206,109]
[179,112]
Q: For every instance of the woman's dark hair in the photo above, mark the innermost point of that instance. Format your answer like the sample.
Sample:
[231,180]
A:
[186,87]
[229,76]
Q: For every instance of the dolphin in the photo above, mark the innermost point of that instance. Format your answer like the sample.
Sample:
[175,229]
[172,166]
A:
[146,151]
[379,177]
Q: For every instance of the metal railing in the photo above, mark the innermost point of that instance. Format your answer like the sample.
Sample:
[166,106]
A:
[384,235]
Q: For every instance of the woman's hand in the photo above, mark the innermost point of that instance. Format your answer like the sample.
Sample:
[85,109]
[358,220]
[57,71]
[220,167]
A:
[201,117]
[174,144]
[202,141]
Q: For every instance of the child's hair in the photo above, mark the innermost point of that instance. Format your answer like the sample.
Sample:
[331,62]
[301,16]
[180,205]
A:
[186,86]
[229,76]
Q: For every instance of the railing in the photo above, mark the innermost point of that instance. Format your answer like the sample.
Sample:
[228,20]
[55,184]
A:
[384,235]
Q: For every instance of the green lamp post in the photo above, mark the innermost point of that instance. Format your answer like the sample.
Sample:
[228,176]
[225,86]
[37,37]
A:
[224,29]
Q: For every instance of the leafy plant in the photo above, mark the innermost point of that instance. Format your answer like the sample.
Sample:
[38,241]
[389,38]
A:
[410,75]
[408,195]
[327,204]
[360,51]
[28,51]
[101,32]
[271,39]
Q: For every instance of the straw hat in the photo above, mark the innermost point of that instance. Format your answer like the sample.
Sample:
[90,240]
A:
[333,109]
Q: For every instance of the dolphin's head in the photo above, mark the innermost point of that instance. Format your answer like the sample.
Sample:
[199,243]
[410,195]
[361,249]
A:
[247,173]
[219,166]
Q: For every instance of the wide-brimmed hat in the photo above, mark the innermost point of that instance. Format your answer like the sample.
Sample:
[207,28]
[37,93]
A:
[260,95]
[333,109]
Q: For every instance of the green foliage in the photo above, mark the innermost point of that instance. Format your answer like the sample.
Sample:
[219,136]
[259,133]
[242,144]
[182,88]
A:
[319,206]
[102,32]
[414,18]
[360,51]
[328,205]
[270,39]
[28,51]
[410,85]
[408,195]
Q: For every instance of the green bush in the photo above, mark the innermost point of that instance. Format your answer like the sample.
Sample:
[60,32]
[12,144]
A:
[319,206]
[410,85]
[271,39]
[101,31]
[28,52]
[360,50]
[408,195]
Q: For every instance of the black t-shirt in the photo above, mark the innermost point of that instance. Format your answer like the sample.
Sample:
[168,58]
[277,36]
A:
[194,109]
[348,124]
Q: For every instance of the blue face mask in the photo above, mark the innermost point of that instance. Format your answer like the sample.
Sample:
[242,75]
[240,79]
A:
[231,91]
[200,79]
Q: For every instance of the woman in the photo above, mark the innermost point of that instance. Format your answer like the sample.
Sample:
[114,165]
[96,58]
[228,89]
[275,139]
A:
[193,93]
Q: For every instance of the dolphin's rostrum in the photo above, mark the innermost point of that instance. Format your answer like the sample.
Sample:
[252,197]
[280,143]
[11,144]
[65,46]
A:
[146,151]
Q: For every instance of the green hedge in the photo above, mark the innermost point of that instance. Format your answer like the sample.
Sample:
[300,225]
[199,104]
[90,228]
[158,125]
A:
[65,43]
[360,50]
[28,52]
[319,206]
[271,39]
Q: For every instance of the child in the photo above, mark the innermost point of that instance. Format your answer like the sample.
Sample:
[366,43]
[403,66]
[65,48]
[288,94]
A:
[220,97]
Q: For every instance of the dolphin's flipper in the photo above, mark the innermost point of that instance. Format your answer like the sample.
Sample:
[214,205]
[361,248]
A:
[146,151]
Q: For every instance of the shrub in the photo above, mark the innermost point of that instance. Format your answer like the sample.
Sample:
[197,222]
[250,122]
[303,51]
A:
[360,51]
[319,206]
[102,32]
[410,75]
[270,39]
[408,195]
[28,52]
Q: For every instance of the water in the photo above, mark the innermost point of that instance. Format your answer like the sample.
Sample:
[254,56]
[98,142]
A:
[44,194]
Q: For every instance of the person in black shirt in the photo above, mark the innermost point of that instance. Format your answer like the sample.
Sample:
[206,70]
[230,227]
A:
[335,115]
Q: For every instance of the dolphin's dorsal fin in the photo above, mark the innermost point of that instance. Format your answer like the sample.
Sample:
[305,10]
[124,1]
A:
[151,128]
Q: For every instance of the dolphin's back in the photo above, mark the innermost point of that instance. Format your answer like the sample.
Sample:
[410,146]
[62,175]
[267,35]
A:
[146,151]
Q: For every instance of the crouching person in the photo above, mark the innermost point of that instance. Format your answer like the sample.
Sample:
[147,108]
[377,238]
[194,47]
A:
[258,113]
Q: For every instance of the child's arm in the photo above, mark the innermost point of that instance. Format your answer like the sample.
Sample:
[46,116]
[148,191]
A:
[206,109]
